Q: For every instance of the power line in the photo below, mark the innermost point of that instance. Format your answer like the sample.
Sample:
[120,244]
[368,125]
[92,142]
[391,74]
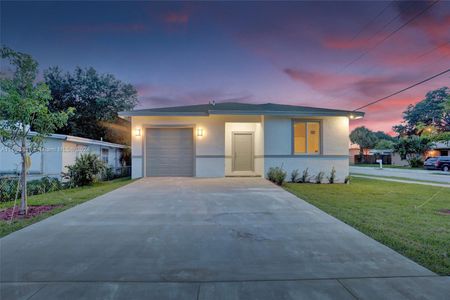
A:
[389,35]
[372,21]
[405,89]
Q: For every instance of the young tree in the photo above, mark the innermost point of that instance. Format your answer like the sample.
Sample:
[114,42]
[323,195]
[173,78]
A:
[365,138]
[431,111]
[23,108]
[97,98]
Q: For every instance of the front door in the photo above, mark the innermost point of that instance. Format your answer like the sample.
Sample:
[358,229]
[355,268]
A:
[243,159]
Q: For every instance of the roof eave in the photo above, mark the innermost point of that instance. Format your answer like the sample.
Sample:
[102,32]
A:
[153,113]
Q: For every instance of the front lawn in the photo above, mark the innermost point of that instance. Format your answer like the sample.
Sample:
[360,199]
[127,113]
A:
[64,198]
[408,218]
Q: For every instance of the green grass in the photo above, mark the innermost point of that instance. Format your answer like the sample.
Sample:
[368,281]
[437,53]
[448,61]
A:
[67,198]
[404,217]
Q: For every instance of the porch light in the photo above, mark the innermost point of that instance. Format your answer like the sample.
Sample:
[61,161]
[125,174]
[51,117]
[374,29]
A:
[138,132]
[353,117]
[199,131]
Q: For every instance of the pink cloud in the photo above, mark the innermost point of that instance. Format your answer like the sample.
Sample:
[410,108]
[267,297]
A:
[181,17]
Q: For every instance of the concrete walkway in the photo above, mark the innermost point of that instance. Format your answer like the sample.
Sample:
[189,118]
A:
[429,175]
[403,181]
[186,238]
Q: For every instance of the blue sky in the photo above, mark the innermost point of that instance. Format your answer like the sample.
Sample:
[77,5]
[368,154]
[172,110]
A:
[290,52]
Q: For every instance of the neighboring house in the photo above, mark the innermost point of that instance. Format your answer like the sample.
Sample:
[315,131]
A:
[236,139]
[59,151]
[439,149]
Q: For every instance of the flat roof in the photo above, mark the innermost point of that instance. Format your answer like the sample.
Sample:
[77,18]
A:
[234,108]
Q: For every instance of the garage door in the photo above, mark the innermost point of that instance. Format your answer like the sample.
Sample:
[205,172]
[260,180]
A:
[169,152]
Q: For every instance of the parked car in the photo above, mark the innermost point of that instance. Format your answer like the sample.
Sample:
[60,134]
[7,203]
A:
[437,163]
[429,163]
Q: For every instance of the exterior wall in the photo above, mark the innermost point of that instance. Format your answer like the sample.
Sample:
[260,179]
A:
[334,139]
[209,149]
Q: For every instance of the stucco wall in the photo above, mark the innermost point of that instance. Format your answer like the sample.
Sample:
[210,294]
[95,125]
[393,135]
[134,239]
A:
[209,149]
[335,141]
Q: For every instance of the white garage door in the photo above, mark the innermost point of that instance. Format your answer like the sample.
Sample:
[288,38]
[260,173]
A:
[169,152]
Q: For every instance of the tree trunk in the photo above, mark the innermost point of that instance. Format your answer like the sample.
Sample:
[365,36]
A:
[361,155]
[23,181]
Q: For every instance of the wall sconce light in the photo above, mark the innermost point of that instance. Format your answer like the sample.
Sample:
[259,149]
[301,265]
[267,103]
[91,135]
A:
[199,131]
[138,132]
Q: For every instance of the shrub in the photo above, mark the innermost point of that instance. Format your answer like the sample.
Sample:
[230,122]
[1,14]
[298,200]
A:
[277,175]
[347,179]
[415,162]
[86,170]
[332,177]
[294,175]
[108,173]
[319,177]
[8,187]
[305,176]
[43,185]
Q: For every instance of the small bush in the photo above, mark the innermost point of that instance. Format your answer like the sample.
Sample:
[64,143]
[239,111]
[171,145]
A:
[415,162]
[305,176]
[347,179]
[332,177]
[108,174]
[8,187]
[277,175]
[319,177]
[86,170]
[294,175]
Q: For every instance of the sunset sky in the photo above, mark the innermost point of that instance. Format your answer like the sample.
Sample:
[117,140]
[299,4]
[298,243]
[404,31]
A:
[325,54]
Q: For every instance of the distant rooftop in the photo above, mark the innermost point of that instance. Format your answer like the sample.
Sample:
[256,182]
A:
[233,108]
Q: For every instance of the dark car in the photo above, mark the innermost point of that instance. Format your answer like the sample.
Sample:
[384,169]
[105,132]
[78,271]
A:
[437,163]
[429,163]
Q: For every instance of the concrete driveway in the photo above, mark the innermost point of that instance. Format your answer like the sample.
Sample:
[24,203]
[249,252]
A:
[186,238]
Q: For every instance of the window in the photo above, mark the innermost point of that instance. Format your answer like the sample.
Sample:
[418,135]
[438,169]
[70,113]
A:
[307,137]
[105,154]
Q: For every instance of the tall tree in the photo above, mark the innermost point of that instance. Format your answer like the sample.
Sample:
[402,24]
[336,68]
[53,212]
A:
[431,112]
[365,138]
[23,108]
[97,98]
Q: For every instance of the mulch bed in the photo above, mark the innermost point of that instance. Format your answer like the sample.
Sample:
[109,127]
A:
[33,211]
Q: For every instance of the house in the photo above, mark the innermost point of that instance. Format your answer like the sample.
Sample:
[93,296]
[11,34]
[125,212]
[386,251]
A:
[59,151]
[237,139]
[439,149]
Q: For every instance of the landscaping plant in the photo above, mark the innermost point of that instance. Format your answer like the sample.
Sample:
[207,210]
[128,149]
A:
[86,170]
[332,177]
[319,177]
[277,175]
[305,176]
[294,175]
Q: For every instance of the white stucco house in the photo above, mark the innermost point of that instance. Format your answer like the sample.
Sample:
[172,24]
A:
[237,139]
[59,151]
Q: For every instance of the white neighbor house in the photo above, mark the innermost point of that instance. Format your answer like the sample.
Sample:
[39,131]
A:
[236,139]
[59,151]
